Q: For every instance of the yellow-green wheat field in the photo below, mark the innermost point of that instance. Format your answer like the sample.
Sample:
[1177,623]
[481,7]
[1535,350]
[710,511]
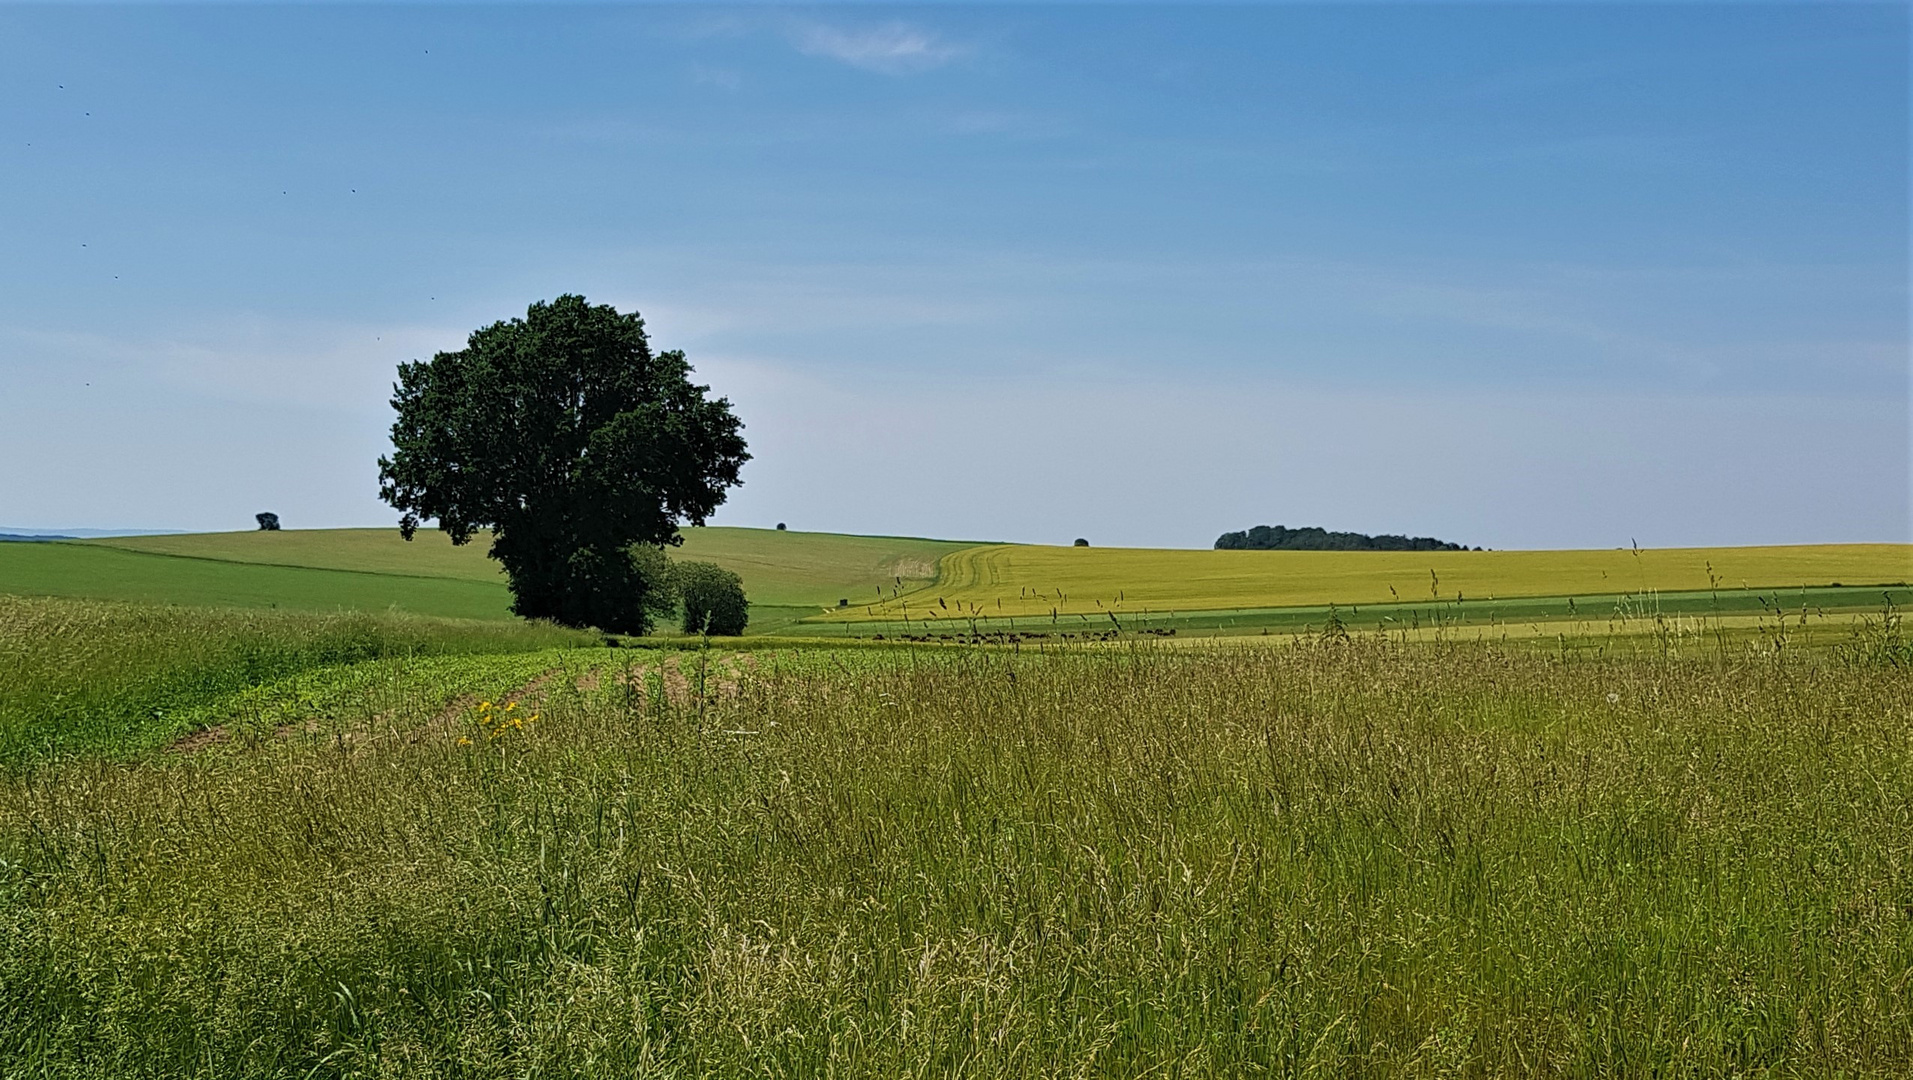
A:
[1011,579]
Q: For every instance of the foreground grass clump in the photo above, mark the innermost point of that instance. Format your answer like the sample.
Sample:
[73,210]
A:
[1326,860]
[95,677]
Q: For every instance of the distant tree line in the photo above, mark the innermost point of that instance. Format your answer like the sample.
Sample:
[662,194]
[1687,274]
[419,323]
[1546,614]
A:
[1282,538]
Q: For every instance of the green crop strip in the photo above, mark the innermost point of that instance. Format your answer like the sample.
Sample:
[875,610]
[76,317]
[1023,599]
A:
[106,678]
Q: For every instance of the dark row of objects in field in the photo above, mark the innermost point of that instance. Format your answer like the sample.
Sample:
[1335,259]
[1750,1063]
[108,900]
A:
[1310,538]
[1018,636]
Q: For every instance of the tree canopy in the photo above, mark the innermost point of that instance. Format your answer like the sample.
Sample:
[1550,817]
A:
[564,434]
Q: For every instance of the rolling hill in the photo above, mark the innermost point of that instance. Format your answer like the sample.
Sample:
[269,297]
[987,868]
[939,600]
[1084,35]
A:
[788,575]
[795,579]
[99,572]
[780,569]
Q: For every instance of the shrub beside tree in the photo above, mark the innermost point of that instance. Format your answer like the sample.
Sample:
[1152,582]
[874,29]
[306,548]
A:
[576,445]
[655,569]
[711,599]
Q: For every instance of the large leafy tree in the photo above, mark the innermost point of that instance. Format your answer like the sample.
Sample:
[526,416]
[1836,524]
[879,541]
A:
[564,434]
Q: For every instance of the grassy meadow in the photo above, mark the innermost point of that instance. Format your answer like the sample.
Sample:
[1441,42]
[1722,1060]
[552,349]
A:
[115,679]
[1324,857]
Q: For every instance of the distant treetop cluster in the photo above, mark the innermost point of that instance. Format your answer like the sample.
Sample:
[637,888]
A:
[1281,538]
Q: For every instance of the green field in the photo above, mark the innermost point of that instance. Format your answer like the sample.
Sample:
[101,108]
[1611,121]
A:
[239,841]
[780,569]
[1308,859]
[788,575]
[897,584]
[100,572]
[371,551]
[117,678]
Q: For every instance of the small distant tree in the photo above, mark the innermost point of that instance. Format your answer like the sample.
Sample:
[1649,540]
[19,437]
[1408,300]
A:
[711,599]
[780,526]
[1080,542]
[268,521]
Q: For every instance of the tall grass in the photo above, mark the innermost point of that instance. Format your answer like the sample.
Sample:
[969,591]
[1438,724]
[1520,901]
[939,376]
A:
[1325,860]
[85,676]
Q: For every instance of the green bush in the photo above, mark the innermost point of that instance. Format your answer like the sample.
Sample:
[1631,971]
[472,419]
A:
[712,599]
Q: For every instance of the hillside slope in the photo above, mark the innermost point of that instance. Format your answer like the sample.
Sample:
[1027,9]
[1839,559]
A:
[99,572]
[374,551]
[780,569]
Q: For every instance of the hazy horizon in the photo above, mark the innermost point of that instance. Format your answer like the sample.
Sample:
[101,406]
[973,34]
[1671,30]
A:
[106,534]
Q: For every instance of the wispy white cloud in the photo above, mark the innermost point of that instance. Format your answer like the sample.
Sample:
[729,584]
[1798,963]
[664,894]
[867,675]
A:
[893,48]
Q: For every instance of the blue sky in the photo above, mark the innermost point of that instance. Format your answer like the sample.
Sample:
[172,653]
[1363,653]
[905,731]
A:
[1512,275]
